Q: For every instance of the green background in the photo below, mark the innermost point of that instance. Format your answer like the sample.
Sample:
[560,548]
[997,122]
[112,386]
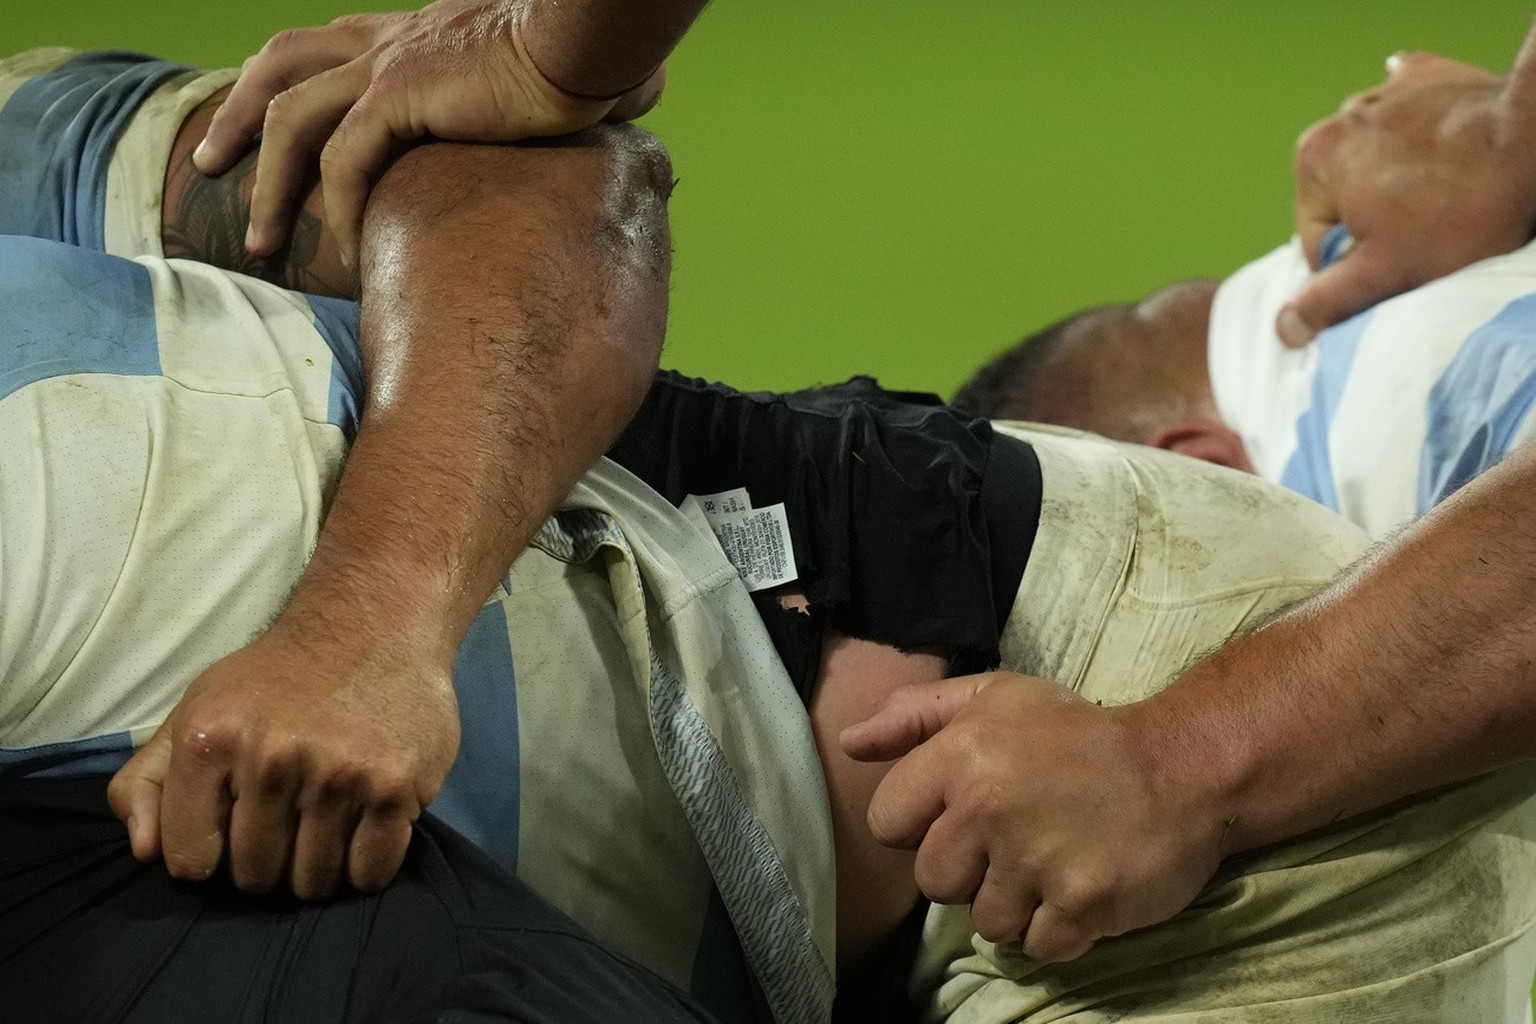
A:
[904,187]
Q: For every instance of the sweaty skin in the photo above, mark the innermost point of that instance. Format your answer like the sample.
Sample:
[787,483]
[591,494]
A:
[1414,670]
[468,70]
[876,889]
[494,377]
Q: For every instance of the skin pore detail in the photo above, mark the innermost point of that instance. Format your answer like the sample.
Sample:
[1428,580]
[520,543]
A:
[204,218]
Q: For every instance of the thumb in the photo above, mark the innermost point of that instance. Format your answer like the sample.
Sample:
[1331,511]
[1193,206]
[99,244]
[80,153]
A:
[909,717]
[136,789]
[1357,281]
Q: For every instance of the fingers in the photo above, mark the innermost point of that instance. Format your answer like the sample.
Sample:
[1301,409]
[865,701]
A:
[951,863]
[194,812]
[908,800]
[1053,936]
[352,158]
[263,824]
[136,791]
[320,846]
[378,848]
[911,716]
[298,122]
[315,835]
[1334,294]
[288,58]
[1004,906]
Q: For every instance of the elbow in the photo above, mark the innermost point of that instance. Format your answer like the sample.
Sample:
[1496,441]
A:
[633,243]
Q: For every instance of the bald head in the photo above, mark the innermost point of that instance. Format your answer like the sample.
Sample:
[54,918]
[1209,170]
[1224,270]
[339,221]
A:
[1125,371]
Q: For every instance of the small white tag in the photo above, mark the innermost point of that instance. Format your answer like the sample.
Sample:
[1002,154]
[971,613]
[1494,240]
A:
[716,505]
[756,541]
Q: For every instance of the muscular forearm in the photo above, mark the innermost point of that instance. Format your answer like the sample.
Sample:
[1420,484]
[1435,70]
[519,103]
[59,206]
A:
[1417,669]
[514,302]
[605,47]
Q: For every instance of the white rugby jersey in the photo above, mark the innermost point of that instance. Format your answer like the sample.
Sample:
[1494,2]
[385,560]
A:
[1390,412]
[169,435]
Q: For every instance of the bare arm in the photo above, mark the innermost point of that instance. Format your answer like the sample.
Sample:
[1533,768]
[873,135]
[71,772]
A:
[1417,669]
[514,302]
[605,47]
[470,70]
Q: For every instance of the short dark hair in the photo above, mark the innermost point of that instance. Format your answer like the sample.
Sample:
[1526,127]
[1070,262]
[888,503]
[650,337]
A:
[1124,371]
[1015,384]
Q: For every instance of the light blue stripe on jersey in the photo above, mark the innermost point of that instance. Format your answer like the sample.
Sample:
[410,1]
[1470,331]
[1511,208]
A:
[480,796]
[72,311]
[1309,470]
[97,755]
[1479,402]
[338,322]
[60,129]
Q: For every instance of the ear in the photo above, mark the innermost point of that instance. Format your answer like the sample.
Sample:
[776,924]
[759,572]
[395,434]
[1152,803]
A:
[1205,439]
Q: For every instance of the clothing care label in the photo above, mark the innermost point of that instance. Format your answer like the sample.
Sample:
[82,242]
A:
[755,540]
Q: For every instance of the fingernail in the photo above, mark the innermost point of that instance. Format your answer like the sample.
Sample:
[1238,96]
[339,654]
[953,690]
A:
[1293,330]
[250,238]
[347,258]
[1395,63]
[200,154]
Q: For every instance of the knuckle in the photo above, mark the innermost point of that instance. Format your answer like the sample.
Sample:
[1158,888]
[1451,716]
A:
[1358,103]
[390,790]
[333,156]
[987,802]
[994,924]
[1084,898]
[119,790]
[282,42]
[285,109]
[948,872]
[204,740]
[1057,944]
[938,885]
[340,781]
[275,764]
[1318,142]
[880,824]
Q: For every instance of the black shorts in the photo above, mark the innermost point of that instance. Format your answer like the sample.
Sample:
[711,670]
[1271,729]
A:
[911,522]
[87,933]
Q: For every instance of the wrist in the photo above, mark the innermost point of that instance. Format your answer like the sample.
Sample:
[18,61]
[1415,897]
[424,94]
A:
[380,610]
[1201,767]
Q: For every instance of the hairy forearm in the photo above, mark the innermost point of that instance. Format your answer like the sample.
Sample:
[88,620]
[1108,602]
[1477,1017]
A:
[605,47]
[1417,669]
[514,302]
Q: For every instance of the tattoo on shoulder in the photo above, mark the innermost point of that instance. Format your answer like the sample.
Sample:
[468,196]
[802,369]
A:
[206,222]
